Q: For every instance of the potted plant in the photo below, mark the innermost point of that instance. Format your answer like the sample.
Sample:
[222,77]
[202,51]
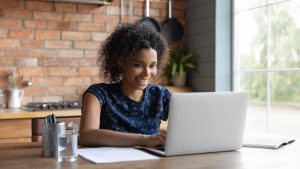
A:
[180,61]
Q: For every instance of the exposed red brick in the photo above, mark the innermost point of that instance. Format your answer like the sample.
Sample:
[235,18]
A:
[10,23]
[74,97]
[35,89]
[3,33]
[10,4]
[47,81]
[61,25]
[62,90]
[40,24]
[42,53]
[91,27]
[133,19]
[58,44]
[78,17]
[20,14]
[31,43]
[105,18]
[62,71]
[99,36]
[112,10]
[82,62]
[11,52]
[76,81]
[97,80]
[46,34]
[82,89]
[76,35]
[139,4]
[25,61]
[91,53]
[45,62]
[65,7]
[47,98]
[110,27]
[95,9]
[88,71]
[48,16]
[86,45]
[39,5]
[21,33]
[26,98]
[3,71]
[6,62]
[139,12]
[159,5]
[164,13]
[70,53]
[32,71]
[9,43]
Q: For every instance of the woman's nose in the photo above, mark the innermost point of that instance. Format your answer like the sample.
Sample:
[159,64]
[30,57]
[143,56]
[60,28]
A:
[147,71]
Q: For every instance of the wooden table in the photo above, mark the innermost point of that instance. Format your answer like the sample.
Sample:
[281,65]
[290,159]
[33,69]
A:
[287,157]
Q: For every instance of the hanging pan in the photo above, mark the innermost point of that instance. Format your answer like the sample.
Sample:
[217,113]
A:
[171,28]
[149,22]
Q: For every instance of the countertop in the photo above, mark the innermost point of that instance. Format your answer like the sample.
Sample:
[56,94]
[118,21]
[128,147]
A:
[23,114]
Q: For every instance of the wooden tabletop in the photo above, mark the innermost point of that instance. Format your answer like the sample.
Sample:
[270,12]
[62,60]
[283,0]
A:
[286,157]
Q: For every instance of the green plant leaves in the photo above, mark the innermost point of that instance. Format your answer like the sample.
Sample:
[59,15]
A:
[180,61]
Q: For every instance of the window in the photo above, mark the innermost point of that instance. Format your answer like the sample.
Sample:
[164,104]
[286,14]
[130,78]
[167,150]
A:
[267,63]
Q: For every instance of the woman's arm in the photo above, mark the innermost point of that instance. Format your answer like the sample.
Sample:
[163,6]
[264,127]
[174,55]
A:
[91,135]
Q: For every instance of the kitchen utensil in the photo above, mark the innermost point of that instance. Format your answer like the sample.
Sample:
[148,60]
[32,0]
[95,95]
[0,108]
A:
[149,22]
[171,28]
[15,96]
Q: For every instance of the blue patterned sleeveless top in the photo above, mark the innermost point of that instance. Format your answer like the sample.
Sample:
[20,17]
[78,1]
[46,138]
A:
[120,113]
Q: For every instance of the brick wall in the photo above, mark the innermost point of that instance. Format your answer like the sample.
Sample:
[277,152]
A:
[55,45]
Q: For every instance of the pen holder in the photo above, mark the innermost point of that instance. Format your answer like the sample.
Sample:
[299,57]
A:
[49,139]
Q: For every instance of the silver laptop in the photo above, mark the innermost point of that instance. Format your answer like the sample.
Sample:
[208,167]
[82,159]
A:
[205,122]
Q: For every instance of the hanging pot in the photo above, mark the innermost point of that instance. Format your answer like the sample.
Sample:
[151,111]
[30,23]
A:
[171,28]
[149,22]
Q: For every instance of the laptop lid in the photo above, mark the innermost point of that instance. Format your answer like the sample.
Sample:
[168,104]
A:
[205,122]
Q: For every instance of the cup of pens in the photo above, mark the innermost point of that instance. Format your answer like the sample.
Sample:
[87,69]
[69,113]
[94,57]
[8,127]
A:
[51,130]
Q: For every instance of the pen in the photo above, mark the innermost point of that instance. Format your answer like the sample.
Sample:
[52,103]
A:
[53,118]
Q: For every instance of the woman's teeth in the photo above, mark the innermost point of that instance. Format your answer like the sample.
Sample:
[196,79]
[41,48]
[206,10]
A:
[141,81]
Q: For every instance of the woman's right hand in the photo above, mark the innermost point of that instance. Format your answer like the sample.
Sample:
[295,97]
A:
[155,140]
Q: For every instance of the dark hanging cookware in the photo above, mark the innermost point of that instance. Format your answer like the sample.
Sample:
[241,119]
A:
[171,28]
[149,22]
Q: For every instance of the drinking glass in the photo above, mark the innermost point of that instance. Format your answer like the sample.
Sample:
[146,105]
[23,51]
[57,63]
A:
[68,144]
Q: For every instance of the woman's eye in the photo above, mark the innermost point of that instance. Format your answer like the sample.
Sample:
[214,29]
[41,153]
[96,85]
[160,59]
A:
[152,66]
[137,65]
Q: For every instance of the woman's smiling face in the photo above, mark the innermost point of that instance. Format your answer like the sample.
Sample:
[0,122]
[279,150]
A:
[139,69]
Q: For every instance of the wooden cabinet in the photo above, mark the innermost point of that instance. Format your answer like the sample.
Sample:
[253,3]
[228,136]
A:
[16,125]
[15,130]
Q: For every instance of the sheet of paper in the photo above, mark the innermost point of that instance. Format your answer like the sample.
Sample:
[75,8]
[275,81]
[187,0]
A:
[114,154]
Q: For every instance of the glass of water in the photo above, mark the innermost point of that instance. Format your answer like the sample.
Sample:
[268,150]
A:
[67,144]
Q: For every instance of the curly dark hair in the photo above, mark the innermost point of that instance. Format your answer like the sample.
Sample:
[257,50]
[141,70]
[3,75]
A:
[126,40]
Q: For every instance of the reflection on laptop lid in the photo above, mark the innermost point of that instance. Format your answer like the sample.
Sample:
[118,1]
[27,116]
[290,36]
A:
[205,122]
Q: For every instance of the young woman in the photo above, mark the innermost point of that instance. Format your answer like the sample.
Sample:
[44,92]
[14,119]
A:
[128,110]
